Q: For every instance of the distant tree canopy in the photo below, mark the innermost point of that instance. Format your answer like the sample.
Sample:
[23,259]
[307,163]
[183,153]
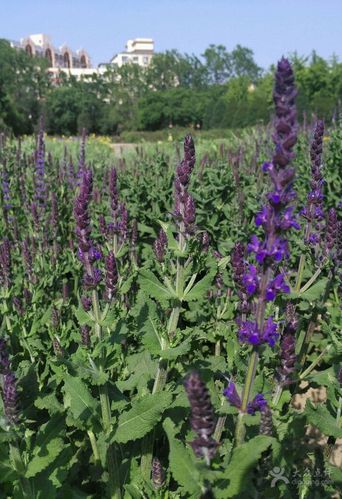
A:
[218,89]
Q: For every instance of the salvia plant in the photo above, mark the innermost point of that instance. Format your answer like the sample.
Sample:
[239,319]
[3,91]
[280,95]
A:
[170,320]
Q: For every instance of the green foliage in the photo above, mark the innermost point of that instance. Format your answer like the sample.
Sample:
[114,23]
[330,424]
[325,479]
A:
[142,417]
[93,412]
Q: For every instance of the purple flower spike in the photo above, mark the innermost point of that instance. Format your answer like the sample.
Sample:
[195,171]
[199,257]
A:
[202,417]
[10,397]
[160,245]
[331,231]
[232,395]
[5,264]
[185,211]
[111,276]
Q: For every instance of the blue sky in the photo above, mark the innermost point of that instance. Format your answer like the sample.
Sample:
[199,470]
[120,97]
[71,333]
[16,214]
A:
[270,28]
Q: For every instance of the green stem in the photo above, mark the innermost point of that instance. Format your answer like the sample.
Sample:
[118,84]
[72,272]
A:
[240,430]
[300,273]
[93,444]
[113,468]
[314,363]
[302,261]
[339,410]
[311,280]
[253,362]
[162,372]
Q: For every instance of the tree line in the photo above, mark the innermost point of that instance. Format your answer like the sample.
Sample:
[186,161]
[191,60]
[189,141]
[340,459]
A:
[220,89]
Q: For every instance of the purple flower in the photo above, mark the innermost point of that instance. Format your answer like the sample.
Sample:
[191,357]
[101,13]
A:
[232,395]
[270,332]
[250,280]
[288,221]
[91,281]
[259,403]
[262,217]
[276,286]
[249,332]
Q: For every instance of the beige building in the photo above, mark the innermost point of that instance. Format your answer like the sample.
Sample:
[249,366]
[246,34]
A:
[138,51]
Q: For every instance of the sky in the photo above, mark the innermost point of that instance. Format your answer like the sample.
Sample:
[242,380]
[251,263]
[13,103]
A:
[271,28]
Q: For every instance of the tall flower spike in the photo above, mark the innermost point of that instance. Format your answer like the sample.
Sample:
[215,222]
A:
[185,210]
[276,218]
[5,264]
[314,210]
[111,276]
[9,391]
[10,397]
[202,417]
[331,231]
[40,166]
[158,474]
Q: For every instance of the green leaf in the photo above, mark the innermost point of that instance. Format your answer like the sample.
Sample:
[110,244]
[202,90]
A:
[244,457]
[181,462]
[321,418]
[49,402]
[200,288]
[153,287]
[82,316]
[174,352]
[48,446]
[172,244]
[315,291]
[143,417]
[77,397]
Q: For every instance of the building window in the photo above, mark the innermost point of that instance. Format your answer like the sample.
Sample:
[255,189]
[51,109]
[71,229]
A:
[145,59]
[48,55]
[135,59]
[83,61]
[124,58]
[66,60]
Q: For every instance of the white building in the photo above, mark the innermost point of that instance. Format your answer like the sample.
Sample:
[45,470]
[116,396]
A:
[138,51]
[61,59]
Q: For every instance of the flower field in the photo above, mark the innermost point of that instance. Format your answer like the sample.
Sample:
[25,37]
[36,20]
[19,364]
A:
[163,312]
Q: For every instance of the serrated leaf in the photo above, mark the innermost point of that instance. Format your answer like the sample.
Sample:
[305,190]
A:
[200,288]
[321,418]
[181,463]
[174,352]
[48,446]
[49,402]
[244,457]
[315,291]
[142,418]
[153,287]
[82,316]
[77,397]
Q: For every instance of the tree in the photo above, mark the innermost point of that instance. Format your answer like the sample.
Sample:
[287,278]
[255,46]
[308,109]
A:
[23,83]
[218,63]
